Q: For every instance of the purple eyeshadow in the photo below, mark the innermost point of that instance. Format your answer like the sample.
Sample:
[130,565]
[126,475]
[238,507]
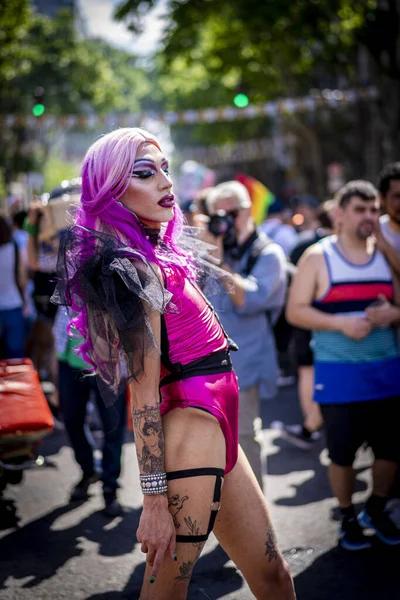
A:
[150,163]
[145,163]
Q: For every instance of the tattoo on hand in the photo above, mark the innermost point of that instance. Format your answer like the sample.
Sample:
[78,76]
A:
[175,504]
[149,438]
[271,549]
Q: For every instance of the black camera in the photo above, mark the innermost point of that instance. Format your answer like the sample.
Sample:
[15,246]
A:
[223,223]
[220,223]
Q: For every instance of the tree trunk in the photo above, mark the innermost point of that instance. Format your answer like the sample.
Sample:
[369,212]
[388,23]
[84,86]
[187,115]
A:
[382,40]
[311,150]
[389,109]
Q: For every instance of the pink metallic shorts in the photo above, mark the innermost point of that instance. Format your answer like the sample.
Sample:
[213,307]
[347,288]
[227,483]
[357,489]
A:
[217,394]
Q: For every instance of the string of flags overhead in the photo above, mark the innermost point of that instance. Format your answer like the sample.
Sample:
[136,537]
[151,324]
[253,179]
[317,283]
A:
[310,103]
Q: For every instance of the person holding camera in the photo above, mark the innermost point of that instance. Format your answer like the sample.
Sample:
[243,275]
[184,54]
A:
[248,303]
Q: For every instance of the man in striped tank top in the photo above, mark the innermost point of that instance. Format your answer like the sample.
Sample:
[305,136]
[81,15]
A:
[342,286]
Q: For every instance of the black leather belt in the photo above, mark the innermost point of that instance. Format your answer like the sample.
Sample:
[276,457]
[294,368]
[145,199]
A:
[218,362]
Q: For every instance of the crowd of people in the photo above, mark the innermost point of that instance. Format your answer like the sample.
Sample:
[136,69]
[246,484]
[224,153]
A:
[336,327]
[316,303]
[32,326]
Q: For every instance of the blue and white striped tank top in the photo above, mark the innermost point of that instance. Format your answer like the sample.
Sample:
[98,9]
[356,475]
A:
[349,370]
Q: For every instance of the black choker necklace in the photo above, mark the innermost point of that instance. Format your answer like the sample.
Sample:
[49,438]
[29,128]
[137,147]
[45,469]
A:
[152,234]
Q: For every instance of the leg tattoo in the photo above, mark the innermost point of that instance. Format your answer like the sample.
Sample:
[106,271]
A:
[271,549]
[192,526]
[185,571]
[194,530]
[175,504]
[186,568]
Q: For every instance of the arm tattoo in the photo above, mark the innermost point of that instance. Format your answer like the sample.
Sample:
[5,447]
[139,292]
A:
[149,439]
[271,549]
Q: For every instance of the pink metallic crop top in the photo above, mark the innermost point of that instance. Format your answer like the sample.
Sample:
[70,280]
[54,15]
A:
[193,331]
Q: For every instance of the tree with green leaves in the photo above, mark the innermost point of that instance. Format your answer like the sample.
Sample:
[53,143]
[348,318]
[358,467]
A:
[15,18]
[75,76]
[282,48]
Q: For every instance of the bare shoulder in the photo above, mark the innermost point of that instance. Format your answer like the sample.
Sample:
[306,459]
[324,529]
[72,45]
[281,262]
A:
[148,269]
[313,257]
[157,271]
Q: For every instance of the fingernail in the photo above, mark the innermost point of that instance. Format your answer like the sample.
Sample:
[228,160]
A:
[152,579]
[175,557]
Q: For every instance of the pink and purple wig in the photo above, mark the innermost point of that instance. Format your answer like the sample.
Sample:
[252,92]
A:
[106,174]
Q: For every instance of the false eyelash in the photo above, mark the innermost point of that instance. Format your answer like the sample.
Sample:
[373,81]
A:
[146,174]
[143,174]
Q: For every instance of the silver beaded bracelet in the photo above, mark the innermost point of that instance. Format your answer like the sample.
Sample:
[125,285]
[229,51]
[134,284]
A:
[154,491]
[145,476]
[153,483]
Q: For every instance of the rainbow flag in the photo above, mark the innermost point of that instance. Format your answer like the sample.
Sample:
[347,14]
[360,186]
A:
[261,196]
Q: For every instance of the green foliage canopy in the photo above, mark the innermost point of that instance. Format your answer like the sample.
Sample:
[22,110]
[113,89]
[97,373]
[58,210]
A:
[77,75]
[278,48]
[74,72]
[270,47]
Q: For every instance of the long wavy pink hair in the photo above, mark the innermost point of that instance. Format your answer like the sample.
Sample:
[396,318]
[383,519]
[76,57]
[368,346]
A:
[106,173]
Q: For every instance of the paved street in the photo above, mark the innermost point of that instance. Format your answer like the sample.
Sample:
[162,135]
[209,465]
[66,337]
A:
[51,550]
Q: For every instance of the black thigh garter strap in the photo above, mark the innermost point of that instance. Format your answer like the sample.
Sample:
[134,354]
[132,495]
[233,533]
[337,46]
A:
[215,504]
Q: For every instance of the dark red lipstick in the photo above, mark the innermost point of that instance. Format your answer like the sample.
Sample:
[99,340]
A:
[167,201]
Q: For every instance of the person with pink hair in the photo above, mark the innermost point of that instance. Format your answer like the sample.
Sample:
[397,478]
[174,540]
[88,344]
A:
[130,278]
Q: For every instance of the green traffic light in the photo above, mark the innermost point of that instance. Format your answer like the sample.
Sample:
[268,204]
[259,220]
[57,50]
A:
[38,110]
[241,100]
